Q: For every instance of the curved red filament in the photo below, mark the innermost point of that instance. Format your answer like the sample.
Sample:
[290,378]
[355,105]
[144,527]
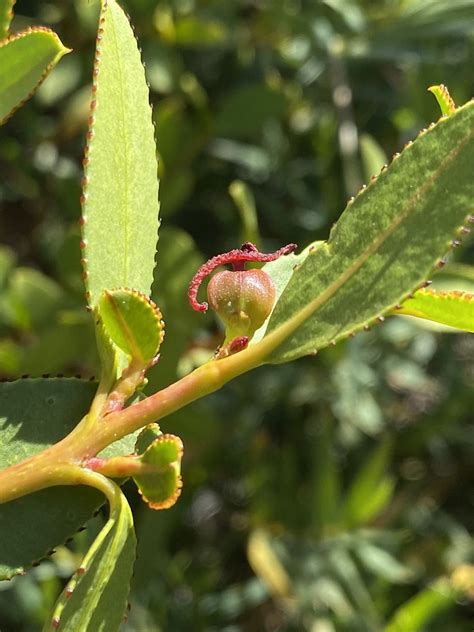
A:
[237,258]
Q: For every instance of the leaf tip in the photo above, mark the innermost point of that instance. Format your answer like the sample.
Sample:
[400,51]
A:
[442,96]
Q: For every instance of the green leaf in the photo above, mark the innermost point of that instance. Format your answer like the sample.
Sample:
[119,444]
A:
[373,156]
[6,15]
[133,323]
[264,103]
[385,244]
[244,200]
[445,102]
[160,487]
[25,60]
[120,202]
[281,270]
[34,414]
[382,563]
[190,31]
[95,599]
[177,261]
[28,532]
[371,488]
[419,611]
[35,297]
[455,309]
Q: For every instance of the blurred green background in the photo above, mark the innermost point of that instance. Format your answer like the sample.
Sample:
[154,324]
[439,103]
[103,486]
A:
[333,494]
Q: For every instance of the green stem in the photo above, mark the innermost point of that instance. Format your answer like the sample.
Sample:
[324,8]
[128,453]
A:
[62,463]
[110,489]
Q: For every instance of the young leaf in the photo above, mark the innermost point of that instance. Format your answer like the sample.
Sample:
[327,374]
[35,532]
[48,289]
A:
[384,245]
[133,323]
[445,102]
[6,15]
[455,309]
[34,414]
[160,489]
[120,200]
[96,597]
[25,60]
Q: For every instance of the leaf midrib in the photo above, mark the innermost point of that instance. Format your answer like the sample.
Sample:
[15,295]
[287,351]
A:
[125,219]
[278,335]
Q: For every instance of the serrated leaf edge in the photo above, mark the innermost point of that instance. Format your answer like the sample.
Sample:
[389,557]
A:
[6,18]
[169,502]
[87,148]
[159,322]
[440,263]
[63,51]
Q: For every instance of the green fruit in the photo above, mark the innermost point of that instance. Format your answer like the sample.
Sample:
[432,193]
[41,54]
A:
[243,299]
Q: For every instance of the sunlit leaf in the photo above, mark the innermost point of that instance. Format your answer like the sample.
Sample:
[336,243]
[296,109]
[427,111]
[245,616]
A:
[161,486]
[133,323]
[96,596]
[455,308]
[385,244]
[120,205]
[6,15]
[25,60]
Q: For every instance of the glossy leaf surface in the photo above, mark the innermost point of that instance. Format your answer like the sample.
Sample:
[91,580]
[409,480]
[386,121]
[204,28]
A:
[120,204]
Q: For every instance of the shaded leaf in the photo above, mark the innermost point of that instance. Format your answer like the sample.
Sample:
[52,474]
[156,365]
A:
[34,414]
[35,298]
[120,205]
[382,563]
[244,200]
[25,60]
[264,103]
[370,489]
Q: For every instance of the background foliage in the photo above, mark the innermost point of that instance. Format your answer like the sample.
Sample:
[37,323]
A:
[334,493]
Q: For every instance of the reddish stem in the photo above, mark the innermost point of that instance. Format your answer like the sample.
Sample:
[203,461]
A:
[237,257]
